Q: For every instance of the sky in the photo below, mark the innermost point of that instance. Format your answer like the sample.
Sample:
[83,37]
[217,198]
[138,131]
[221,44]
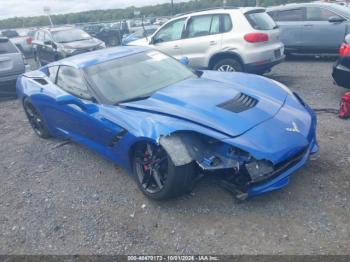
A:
[12,8]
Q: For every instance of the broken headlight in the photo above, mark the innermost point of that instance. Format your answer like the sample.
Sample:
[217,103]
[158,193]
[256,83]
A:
[259,170]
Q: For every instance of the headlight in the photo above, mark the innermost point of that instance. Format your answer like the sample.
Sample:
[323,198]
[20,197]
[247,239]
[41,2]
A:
[69,50]
[65,50]
[102,45]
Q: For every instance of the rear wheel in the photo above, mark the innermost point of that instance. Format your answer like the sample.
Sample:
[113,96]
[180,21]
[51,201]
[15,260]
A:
[157,176]
[35,120]
[228,65]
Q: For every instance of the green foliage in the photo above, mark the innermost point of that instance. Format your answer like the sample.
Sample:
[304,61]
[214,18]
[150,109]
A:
[117,14]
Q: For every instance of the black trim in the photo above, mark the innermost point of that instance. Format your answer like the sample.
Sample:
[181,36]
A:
[252,68]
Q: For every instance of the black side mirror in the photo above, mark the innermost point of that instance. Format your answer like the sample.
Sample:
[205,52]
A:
[336,19]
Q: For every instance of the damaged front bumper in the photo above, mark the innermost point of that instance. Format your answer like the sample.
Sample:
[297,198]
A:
[258,161]
[281,177]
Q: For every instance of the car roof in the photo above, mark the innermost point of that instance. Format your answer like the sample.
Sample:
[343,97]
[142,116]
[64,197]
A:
[296,5]
[57,29]
[220,10]
[99,56]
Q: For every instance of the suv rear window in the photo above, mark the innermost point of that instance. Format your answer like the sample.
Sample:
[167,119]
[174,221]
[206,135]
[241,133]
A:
[7,47]
[261,21]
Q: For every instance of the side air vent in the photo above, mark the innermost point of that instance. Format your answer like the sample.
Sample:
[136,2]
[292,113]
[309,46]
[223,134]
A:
[239,103]
[41,81]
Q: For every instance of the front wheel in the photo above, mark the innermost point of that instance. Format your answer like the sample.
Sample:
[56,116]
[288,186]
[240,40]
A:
[228,65]
[157,176]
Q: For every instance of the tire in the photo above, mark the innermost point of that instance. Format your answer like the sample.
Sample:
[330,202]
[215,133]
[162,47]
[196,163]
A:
[228,65]
[173,181]
[35,119]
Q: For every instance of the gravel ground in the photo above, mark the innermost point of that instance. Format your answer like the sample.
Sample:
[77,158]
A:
[61,198]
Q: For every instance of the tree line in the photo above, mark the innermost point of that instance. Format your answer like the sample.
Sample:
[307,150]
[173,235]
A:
[128,13]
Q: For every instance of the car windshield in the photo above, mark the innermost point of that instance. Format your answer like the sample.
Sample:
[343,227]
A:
[343,10]
[142,33]
[70,35]
[261,21]
[7,47]
[136,76]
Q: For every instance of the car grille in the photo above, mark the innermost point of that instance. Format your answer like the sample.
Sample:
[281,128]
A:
[283,166]
[239,103]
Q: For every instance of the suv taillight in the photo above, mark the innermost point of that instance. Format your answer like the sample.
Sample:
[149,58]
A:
[256,37]
[344,50]
[29,40]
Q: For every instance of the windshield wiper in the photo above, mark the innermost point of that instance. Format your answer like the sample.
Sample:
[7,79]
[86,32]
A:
[138,98]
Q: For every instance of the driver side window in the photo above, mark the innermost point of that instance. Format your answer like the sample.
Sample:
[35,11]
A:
[71,80]
[170,32]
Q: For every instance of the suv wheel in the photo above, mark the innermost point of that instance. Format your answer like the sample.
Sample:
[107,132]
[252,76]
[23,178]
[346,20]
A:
[228,65]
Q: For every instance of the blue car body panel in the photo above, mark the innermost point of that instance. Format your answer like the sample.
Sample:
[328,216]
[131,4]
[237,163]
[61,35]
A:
[188,106]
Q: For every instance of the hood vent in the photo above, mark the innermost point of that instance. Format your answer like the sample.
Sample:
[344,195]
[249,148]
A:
[239,103]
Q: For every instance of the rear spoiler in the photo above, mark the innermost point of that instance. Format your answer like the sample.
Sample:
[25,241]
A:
[35,74]
[255,10]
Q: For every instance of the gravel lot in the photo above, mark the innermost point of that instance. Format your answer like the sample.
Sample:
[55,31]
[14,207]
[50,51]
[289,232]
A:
[60,198]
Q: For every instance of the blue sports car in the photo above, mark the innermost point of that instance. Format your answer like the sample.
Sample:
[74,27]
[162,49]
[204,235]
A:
[169,125]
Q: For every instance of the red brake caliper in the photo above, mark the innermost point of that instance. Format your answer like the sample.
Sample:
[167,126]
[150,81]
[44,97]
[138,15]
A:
[145,166]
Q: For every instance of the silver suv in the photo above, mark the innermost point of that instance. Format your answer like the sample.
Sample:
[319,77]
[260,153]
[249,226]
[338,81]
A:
[228,39]
[11,66]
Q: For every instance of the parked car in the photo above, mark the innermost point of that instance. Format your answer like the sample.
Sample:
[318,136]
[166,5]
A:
[311,27]
[139,34]
[231,39]
[23,40]
[56,43]
[160,20]
[111,34]
[341,68]
[11,66]
[127,103]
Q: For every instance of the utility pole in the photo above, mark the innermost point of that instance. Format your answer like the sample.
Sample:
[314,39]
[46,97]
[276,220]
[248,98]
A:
[172,7]
[224,3]
[257,2]
[47,11]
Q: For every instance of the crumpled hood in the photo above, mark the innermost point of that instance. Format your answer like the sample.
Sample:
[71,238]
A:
[84,44]
[197,100]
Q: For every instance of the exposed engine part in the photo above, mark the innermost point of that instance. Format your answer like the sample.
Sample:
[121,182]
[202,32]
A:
[210,154]
[235,190]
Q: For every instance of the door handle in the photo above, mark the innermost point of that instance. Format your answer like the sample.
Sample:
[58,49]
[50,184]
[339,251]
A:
[176,47]
[308,25]
[212,43]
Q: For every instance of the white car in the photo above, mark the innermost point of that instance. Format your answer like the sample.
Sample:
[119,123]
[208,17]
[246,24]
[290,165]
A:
[227,39]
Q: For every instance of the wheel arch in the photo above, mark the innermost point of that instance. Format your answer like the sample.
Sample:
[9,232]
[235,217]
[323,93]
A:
[223,55]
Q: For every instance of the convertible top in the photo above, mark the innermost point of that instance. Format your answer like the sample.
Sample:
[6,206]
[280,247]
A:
[99,56]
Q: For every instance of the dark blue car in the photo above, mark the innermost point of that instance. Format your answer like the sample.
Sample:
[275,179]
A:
[169,125]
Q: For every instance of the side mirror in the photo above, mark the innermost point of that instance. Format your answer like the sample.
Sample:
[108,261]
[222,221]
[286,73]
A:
[72,100]
[336,19]
[151,41]
[347,39]
[184,60]
[48,42]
